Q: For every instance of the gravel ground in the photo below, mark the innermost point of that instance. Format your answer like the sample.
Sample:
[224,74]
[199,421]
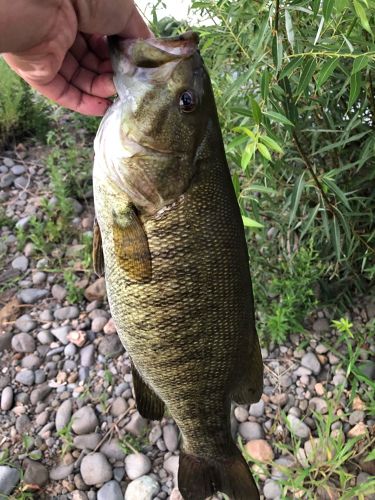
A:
[68,418]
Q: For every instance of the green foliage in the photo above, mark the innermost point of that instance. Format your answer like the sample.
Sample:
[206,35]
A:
[22,112]
[74,293]
[295,95]
[133,444]
[66,436]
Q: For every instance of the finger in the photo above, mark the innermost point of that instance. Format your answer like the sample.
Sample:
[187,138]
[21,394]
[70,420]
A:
[87,58]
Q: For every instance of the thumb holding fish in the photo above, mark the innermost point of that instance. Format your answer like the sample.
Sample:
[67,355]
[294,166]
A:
[59,48]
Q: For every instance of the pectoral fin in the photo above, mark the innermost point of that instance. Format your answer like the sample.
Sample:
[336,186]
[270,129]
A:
[97,250]
[131,245]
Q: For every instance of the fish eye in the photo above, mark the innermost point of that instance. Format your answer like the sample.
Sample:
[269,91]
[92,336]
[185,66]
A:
[187,101]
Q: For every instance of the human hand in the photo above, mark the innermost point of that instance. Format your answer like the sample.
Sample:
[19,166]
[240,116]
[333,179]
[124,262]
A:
[60,50]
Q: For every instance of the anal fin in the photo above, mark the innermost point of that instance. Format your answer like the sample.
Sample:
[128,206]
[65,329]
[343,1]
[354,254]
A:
[149,404]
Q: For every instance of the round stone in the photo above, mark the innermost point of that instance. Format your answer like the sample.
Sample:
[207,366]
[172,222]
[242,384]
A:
[6,398]
[63,414]
[110,491]
[311,362]
[23,342]
[95,469]
[251,430]
[259,450]
[298,428]
[84,421]
[25,377]
[241,414]
[143,488]
[25,323]
[9,477]
[170,436]
[257,409]
[271,490]
[137,465]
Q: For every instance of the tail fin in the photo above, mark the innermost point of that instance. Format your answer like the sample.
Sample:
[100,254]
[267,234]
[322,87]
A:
[201,477]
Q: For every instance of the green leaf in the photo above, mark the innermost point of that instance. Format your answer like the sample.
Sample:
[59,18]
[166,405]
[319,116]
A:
[360,63]
[296,197]
[355,88]
[278,117]
[326,71]
[315,7]
[310,220]
[271,144]
[336,237]
[247,154]
[277,51]
[264,151]
[327,8]
[370,456]
[290,67]
[242,111]
[247,222]
[337,191]
[289,28]
[246,131]
[308,69]
[361,13]
[265,84]
[257,113]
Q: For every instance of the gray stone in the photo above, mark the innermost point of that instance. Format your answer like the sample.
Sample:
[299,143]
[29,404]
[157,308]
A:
[321,349]
[69,312]
[110,491]
[39,277]
[285,381]
[170,436]
[368,369]
[31,361]
[84,420]
[110,346]
[87,441]
[25,323]
[112,449]
[23,342]
[21,182]
[6,180]
[61,333]
[9,477]
[118,407]
[143,488]
[40,376]
[20,263]
[311,362]
[58,292]
[18,169]
[298,428]
[70,350]
[340,379]
[137,424]
[25,377]
[137,465]
[356,416]
[87,355]
[251,430]
[5,340]
[155,434]
[98,324]
[321,325]
[257,409]
[171,466]
[61,471]
[23,424]
[45,337]
[6,398]
[272,490]
[8,162]
[23,223]
[46,316]
[63,414]
[40,394]
[95,469]
[32,295]
[35,473]
[319,405]
[241,414]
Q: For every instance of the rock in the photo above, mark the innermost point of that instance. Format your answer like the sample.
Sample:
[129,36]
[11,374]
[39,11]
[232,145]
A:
[251,430]
[271,490]
[58,292]
[358,404]
[137,465]
[21,182]
[298,428]
[6,398]
[155,434]
[25,323]
[279,466]
[32,295]
[356,417]
[61,333]
[321,349]
[368,369]
[5,340]
[358,430]
[257,409]
[110,346]
[31,361]
[112,449]
[85,421]
[98,324]
[241,414]
[69,312]
[110,327]
[87,441]
[23,342]
[259,450]
[23,424]
[63,414]
[311,362]
[18,169]
[119,406]
[319,405]
[20,263]
[279,399]
[340,379]
[35,473]
[110,491]
[61,471]
[170,436]
[95,469]
[25,377]
[40,394]
[137,424]
[321,325]
[6,180]
[87,355]
[143,488]
[23,223]
[176,495]
[9,477]
[45,337]
[171,466]
[96,291]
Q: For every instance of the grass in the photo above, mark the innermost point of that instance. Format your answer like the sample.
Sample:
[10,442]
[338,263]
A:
[66,436]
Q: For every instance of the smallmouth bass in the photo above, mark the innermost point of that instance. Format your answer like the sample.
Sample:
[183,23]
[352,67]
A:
[170,240]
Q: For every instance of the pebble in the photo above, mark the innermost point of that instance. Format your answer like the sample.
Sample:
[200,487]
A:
[18,169]
[271,490]
[87,355]
[137,465]
[340,379]
[279,399]
[69,312]
[170,436]
[176,495]
[25,323]
[111,346]
[23,424]
[46,316]
[96,291]
[23,342]
[241,414]
[110,491]
[9,477]
[61,333]
[87,441]
[20,263]
[59,292]
[6,398]
[61,471]
[311,362]
[321,349]
[143,488]
[98,324]
[70,350]
[35,473]
[63,414]
[359,429]
[171,466]
[155,434]
[110,327]
[85,421]
[6,180]
[112,449]
[137,425]
[259,450]
[8,162]
[356,417]
[32,295]
[25,377]
[251,430]
[257,409]
[39,394]
[31,361]
[298,428]
[21,182]
[321,325]
[319,405]
[95,469]
[119,406]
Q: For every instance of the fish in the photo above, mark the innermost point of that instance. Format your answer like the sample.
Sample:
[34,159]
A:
[170,242]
